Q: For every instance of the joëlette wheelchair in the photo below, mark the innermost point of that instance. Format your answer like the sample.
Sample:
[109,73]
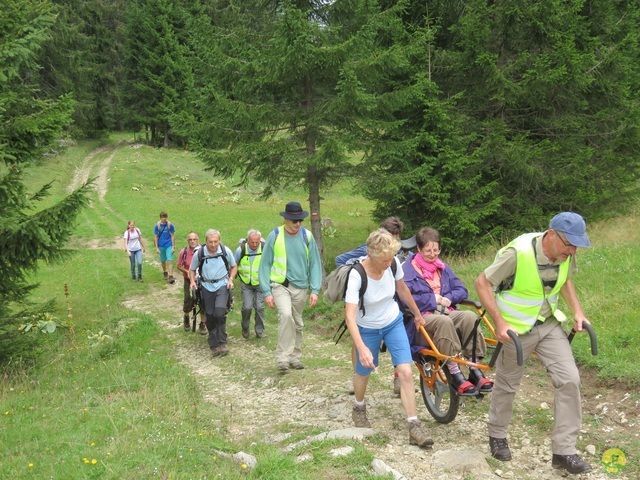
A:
[440,397]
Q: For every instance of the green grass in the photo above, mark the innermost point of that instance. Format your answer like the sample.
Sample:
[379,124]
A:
[127,403]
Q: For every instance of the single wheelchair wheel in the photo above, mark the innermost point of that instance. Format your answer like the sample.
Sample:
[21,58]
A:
[441,400]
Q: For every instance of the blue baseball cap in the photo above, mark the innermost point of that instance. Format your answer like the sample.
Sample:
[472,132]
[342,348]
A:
[573,227]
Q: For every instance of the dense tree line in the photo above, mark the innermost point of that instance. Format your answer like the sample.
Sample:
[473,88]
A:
[30,122]
[479,118]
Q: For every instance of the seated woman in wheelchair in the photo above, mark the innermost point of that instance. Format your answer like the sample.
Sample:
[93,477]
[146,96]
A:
[436,291]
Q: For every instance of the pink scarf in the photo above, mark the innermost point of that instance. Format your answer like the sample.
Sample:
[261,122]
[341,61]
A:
[427,269]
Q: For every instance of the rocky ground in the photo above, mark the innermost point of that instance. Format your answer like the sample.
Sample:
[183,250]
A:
[265,405]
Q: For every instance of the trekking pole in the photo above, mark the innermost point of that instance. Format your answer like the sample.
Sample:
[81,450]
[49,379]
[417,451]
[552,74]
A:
[194,298]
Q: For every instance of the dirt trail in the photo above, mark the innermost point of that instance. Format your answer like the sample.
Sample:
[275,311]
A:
[260,400]
[265,405]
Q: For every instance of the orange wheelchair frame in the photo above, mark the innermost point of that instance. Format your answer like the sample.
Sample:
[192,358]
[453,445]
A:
[440,397]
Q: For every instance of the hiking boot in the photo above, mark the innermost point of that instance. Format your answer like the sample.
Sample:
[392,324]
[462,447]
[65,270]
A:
[500,449]
[283,366]
[186,323]
[133,279]
[417,435]
[202,328]
[261,335]
[396,385]
[296,365]
[171,280]
[165,275]
[245,333]
[140,278]
[572,463]
[224,350]
[216,352]
[359,416]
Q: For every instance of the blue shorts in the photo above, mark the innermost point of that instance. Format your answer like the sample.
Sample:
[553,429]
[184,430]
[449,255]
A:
[166,255]
[395,338]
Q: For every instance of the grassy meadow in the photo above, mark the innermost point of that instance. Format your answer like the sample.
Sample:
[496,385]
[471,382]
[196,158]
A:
[108,370]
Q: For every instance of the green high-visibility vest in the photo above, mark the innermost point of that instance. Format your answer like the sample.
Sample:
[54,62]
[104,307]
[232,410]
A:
[520,306]
[279,266]
[248,270]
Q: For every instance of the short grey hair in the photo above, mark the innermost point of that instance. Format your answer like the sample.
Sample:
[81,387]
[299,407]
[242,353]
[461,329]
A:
[253,231]
[212,232]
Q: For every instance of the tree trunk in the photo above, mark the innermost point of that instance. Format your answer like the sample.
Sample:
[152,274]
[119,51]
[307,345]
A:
[313,179]
[166,135]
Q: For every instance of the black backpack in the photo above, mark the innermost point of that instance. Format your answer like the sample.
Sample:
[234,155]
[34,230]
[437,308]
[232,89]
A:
[338,280]
[203,258]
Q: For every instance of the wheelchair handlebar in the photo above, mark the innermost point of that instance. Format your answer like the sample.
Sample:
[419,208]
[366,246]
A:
[471,303]
[592,337]
[517,344]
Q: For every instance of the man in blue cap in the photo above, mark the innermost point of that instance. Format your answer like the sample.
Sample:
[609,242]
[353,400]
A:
[520,291]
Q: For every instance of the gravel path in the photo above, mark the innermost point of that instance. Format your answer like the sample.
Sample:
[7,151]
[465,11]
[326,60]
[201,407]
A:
[265,405]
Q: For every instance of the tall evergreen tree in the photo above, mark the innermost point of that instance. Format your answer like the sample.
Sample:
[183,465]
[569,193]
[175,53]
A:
[278,91]
[29,123]
[82,57]
[157,68]
[542,116]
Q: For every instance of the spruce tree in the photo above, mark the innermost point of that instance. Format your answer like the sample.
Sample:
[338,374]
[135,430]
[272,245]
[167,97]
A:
[29,124]
[276,103]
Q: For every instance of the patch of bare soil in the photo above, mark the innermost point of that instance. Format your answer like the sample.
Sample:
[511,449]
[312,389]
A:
[114,243]
[265,405]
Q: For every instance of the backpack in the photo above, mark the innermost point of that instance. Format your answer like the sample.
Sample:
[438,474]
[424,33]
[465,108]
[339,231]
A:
[304,235]
[337,282]
[165,227]
[243,251]
[129,234]
[202,258]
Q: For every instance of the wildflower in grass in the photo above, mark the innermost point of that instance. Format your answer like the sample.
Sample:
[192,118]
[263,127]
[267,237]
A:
[122,408]
[30,465]
[93,461]
[7,412]
[85,460]
[108,454]
[93,444]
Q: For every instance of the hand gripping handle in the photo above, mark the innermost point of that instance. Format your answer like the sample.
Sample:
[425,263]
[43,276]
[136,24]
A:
[518,345]
[592,337]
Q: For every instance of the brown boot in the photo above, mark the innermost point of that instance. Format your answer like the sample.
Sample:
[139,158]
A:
[186,323]
[359,416]
[417,435]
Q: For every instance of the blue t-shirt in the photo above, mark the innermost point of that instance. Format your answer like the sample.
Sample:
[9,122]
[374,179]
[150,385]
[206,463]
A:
[214,274]
[164,231]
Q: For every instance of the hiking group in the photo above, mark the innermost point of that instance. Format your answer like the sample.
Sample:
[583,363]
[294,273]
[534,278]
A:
[388,296]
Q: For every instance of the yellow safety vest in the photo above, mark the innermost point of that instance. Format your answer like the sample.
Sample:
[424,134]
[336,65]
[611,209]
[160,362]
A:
[278,272]
[520,306]
[247,270]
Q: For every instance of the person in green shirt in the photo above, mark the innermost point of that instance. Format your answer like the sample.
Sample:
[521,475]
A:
[289,268]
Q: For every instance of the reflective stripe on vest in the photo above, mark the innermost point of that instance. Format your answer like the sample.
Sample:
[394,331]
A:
[247,270]
[520,306]
[279,266]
